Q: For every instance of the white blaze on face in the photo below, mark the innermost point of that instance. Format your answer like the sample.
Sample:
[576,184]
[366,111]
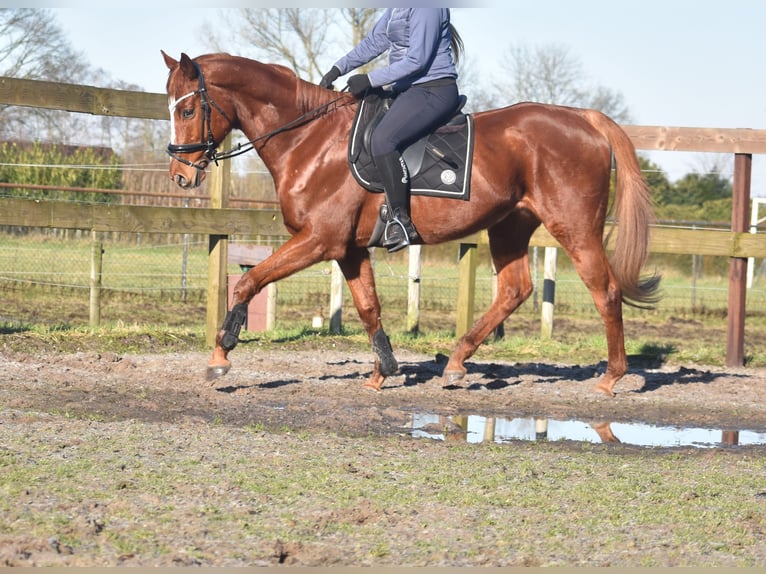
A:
[172,103]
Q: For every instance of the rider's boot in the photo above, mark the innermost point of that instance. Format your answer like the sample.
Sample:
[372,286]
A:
[400,231]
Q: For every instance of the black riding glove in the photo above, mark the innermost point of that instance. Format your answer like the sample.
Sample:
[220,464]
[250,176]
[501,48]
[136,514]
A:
[329,78]
[359,84]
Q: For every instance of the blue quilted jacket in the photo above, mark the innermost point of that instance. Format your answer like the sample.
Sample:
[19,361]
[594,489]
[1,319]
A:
[418,41]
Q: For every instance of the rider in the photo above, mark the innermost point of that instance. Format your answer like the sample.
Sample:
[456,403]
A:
[423,48]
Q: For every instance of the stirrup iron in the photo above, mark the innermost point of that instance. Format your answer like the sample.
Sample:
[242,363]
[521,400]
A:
[395,221]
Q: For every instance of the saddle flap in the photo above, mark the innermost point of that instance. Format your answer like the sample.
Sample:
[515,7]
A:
[439,163]
[371,110]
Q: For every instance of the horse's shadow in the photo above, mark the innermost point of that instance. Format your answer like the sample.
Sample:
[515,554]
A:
[277,383]
[683,376]
[267,385]
[496,376]
[493,376]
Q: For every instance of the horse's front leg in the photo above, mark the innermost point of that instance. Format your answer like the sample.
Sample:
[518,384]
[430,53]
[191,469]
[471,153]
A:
[357,270]
[296,254]
[226,339]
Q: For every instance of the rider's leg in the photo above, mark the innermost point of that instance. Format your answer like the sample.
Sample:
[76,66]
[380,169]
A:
[413,113]
[400,231]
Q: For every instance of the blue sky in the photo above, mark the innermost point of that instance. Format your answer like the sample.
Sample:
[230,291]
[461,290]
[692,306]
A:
[676,62]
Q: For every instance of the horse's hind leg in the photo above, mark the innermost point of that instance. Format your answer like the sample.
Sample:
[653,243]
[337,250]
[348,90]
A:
[592,265]
[357,270]
[509,244]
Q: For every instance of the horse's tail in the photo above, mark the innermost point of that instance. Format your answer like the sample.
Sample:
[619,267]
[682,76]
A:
[633,211]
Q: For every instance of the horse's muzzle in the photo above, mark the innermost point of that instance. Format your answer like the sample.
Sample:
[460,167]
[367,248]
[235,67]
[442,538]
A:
[188,177]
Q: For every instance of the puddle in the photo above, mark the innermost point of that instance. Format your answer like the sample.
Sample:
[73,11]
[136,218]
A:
[477,429]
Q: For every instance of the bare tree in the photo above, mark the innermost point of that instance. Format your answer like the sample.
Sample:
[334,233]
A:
[360,21]
[549,74]
[470,84]
[608,101]
[307,40]
[33,46]
[293,36]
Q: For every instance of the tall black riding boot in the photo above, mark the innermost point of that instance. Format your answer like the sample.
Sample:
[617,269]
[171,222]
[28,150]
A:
[400,231]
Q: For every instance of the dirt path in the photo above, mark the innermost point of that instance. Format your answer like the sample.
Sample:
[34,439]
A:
[323,390]
[137,460]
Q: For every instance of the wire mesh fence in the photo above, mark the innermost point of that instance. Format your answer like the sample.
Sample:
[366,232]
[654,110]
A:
[162,279]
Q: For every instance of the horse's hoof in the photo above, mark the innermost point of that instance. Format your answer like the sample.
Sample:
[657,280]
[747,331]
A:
[605,389]
[389,367]
[374,383]
[216,372]
[452,378]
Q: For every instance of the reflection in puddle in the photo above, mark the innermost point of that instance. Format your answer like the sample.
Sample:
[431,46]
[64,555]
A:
[476,429]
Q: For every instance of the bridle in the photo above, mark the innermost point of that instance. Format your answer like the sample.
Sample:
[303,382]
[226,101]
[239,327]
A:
[208,145]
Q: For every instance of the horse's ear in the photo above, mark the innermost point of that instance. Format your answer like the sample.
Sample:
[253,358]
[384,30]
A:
[188,67]
[169,62]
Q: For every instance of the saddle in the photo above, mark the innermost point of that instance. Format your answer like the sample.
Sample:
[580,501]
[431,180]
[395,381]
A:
[439,163]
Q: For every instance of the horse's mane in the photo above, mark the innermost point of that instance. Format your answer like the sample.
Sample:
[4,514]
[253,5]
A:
[308,94]
[310,97]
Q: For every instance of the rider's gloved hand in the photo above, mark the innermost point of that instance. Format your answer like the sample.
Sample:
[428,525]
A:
[359,84]
[329,78]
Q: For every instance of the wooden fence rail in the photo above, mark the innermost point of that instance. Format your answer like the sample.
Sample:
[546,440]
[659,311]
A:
[268,222]
[219,222]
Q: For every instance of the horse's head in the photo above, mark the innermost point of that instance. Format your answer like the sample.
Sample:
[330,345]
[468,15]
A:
[197,123]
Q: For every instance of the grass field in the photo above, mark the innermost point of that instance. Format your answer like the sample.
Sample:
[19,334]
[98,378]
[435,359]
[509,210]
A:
[44,282]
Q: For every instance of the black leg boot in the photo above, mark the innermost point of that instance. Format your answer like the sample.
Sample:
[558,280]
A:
[400,231]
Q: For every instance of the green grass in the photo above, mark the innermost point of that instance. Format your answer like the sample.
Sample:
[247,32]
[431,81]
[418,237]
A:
[648,343]
[420,503]
[169,271]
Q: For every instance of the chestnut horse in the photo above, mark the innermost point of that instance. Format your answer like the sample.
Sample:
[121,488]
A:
[532,164]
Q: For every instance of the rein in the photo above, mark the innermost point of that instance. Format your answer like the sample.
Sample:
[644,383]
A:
[209,145]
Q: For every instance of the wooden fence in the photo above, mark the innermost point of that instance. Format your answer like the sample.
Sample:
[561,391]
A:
[219,222]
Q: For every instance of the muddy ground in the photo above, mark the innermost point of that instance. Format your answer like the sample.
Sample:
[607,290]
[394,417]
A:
[319,391]
[322,389]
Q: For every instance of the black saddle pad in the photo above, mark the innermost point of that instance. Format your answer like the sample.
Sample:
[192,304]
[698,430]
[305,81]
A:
[439,163]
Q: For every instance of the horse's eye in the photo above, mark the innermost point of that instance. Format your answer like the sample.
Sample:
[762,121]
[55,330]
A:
[187,113]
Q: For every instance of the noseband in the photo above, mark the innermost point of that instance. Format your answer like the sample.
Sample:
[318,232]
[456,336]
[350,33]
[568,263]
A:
[207,145]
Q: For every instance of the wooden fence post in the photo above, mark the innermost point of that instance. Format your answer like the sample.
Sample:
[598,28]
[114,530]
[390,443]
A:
[96,262]
[466,290]
[735,329]
[218,251]
[271,306]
